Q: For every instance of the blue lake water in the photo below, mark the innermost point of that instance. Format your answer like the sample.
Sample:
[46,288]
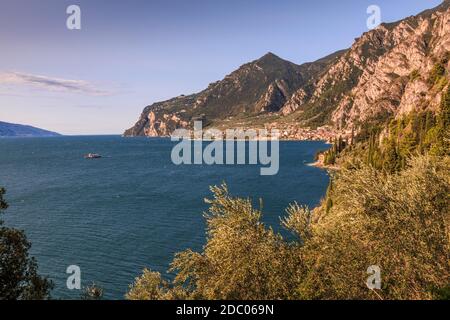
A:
[133,208]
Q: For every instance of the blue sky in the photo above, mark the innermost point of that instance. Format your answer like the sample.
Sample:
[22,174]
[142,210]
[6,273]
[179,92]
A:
[132,53]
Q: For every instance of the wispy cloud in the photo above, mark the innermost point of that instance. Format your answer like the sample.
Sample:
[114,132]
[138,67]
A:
[51,84]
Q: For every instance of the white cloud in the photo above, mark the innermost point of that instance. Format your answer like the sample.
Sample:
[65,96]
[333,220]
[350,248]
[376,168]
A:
[51,84]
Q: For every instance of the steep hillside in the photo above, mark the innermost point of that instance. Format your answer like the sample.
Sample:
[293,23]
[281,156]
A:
[261,87]
[388,72]
[392,70]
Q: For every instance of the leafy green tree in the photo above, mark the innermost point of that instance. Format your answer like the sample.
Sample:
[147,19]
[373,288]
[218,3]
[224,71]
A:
[330,155]
[439,135]
[399,222]
[151,286]
[242,259]
[442,293]
[3,204]
[436,73]
[19,279]
[392,160]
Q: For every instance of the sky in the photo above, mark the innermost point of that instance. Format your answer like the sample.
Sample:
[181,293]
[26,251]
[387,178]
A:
[131,53]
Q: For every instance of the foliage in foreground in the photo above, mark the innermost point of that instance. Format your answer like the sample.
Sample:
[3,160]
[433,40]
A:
[399,222]
[19,279]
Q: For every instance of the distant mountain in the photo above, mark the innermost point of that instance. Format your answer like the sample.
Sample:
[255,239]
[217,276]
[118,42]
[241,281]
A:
[391,70]
[18,130]
[259,87]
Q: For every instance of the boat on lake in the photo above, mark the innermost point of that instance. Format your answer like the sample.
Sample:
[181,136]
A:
[92,156]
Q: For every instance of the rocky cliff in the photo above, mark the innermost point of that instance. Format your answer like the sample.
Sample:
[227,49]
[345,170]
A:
[394,69]
[389,71]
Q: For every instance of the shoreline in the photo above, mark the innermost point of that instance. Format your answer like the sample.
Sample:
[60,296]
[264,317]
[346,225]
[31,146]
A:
[320,165]
[210,140]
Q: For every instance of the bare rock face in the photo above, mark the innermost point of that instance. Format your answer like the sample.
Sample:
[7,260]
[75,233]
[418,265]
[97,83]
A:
[163,126]
[298,99]
[274,98]
[161,119]
[394,64]
[391,70]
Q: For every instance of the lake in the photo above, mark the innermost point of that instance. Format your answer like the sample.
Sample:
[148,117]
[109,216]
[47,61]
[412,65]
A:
[133,208]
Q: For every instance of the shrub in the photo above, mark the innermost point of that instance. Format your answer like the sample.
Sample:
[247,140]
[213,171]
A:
[19,279]
[399,222]
[414,75]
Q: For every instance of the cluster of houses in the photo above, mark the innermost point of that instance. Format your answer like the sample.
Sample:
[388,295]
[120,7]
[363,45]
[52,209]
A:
[294,132]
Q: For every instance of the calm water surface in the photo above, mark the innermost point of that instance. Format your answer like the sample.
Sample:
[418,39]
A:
[132,209]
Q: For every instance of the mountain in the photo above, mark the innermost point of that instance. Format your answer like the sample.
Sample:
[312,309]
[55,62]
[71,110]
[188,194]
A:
[260,87]
[18,130]
[389,71]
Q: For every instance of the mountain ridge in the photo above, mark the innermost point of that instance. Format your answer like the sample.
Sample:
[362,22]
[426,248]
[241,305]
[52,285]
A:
[18,130]
[388,71]
[261,86]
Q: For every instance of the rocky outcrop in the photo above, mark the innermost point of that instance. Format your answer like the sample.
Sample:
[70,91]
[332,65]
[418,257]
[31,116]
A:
[298,99]
[274,98]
